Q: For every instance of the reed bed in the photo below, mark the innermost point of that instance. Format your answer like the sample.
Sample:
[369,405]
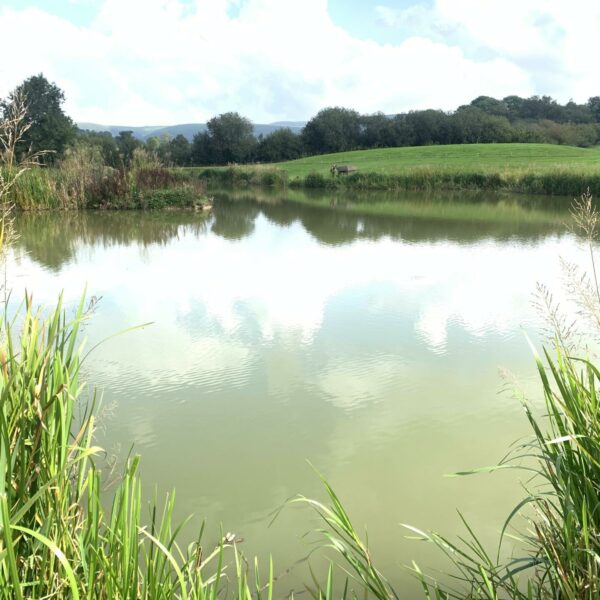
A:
[58,538]
[81,180]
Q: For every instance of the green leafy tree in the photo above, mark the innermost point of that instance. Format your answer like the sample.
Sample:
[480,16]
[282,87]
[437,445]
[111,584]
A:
[541,107]
[282,144]
[106,143]
[201,149]
[332,130]
[127,144]
[376,131]
[180,150]
[159,146]
[594,106]
[429,127]
[491,106]
[231,139]
[153,144]
[51,129]
[471,125]
[401,131]
[577,113]
[514,104]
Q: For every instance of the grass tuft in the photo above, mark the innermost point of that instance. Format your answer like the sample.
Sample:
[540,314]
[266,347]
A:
[57,536]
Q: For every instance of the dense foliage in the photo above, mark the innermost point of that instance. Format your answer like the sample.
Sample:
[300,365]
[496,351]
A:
[229,138]
[51,130]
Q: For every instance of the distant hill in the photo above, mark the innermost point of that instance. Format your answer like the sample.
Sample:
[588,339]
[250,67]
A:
[187,129]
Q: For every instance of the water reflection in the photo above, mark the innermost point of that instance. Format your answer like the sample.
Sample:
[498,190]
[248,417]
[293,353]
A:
[285,331]
[51,238]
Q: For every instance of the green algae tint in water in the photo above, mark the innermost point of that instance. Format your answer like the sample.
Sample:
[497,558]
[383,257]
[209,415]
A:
[292,331]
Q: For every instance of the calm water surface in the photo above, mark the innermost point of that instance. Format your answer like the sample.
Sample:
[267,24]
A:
[292,331]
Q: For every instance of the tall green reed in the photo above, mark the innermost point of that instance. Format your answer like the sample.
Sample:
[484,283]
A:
[59,537]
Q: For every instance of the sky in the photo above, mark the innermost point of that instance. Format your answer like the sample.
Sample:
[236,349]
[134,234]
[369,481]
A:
[161,62]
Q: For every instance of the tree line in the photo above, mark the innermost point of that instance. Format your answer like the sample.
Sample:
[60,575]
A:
[229,137]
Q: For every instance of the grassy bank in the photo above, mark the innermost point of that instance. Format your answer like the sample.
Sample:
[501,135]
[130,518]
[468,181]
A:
[82,181]
[521,168]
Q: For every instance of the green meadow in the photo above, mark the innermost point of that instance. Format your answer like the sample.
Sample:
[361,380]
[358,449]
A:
[457,157]
[521,168]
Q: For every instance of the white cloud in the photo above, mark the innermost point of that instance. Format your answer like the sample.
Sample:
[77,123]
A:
[165,61]
[553,41]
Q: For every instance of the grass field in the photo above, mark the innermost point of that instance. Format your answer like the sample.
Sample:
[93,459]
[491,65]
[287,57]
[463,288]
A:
[523,168]
[470,157]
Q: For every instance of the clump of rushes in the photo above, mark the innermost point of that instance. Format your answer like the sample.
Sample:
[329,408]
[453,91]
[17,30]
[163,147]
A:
[559,551]
[57,539]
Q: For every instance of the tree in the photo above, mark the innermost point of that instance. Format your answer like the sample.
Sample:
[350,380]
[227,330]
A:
[179,150]
[51,130]
[430,127]
[471,125]
[201,149]
[491,106]
[231,139]
[282,144]
[153,144]
[514,104]
[401,131]
[577,113]
[594,105]
[332,130]
[376,131]
[541,107]
[127,144]
[107,144]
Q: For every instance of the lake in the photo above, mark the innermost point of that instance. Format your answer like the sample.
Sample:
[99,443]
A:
[378,339]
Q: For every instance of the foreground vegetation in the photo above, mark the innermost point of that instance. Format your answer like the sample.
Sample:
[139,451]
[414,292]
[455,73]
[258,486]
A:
[57,536]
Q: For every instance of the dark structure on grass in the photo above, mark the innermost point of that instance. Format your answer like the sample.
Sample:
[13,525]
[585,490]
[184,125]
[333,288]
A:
[342,169]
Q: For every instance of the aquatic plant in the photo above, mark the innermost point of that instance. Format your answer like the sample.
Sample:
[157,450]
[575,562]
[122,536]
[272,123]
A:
[58,535]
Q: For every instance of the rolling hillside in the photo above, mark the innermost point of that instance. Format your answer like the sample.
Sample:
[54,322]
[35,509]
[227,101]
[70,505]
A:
[465,157]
